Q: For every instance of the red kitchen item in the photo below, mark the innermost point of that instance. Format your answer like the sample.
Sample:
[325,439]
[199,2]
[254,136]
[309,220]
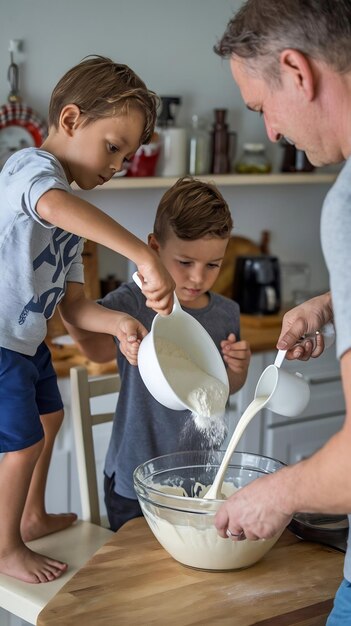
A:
[19,114]
[145,159]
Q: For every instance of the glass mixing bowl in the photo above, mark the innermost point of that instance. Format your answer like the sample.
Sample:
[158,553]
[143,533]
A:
[170,491]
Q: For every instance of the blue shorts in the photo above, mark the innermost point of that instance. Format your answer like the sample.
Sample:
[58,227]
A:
[28,389]
[341,613]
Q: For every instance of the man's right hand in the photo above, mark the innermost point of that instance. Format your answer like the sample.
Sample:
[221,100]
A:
[305,319]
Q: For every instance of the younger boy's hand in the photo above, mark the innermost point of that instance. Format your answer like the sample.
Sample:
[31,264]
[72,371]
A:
[236,355]
[157,285]
[130,332]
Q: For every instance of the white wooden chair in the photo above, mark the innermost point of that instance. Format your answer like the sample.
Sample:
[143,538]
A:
[74,545]
[83,389]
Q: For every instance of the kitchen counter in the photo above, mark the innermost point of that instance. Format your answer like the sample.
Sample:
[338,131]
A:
[132,580]
[261,332]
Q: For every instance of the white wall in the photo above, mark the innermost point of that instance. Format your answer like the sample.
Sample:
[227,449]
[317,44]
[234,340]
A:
[291,213]
[169,43]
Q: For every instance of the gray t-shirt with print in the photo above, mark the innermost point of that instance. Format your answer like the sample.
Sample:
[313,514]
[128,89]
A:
[336,238]
[143,428]
[36,258]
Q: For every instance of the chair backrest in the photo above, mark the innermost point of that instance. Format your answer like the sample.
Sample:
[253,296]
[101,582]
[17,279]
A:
[83,389]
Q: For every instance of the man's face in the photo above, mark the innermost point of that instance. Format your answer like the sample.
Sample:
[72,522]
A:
[286,111]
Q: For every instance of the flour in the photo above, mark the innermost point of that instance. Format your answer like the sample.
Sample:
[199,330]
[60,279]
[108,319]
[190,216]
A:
[204,395]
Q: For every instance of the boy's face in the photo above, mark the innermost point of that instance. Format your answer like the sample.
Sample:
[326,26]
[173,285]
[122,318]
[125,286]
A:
[193,265]
[95,152]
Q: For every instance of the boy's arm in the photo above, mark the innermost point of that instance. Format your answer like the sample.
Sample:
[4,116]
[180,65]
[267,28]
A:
[80,314]
[236,355]
[81,218]
[97,347]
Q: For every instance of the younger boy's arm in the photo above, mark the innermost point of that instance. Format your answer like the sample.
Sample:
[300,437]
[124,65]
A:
[81,218]
[236,355]
[84,318]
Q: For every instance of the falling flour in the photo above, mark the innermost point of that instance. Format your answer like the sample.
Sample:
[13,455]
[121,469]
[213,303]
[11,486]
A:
[204,395]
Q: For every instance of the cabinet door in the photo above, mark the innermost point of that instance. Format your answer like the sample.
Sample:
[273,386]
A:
[297,441]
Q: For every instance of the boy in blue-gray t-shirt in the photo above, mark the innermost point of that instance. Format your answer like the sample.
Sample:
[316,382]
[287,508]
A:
[191,232]
[100,112]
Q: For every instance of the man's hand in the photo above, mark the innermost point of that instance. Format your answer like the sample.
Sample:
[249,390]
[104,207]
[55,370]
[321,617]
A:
[253,512]
[305,319]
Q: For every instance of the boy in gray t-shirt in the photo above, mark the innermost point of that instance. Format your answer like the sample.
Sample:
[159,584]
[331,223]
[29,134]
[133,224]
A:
[191,232]
[100,112]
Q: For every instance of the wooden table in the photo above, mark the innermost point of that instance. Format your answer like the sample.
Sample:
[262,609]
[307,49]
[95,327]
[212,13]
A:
[132,581]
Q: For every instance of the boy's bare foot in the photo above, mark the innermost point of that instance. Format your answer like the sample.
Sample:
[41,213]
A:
[31,567]
[35,527]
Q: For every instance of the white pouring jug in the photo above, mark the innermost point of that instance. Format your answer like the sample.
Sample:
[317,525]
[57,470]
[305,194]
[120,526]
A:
[278,390]
[190,336]
[289,394]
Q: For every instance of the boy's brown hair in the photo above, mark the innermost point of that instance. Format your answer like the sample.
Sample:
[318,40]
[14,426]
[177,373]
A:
[192,209]
[102,88]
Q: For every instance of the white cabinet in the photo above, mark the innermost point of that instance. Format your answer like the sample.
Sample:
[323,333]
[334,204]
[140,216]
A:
[295,441]
[291,439]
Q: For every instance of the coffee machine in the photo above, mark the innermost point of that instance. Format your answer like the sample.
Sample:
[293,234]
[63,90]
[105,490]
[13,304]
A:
[257,284]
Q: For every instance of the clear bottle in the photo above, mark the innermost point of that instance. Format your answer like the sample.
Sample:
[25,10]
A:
[199,147]
[253,160]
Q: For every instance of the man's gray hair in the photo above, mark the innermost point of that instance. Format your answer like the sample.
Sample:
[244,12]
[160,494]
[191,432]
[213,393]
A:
[262,29]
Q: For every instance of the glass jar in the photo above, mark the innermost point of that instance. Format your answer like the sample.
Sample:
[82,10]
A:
[253,160]
[199,147]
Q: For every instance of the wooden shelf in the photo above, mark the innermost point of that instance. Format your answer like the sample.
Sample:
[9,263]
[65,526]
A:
[157,182]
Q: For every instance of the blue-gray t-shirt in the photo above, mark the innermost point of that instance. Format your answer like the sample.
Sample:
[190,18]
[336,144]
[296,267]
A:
[36,258]
[336,238]
[143,428]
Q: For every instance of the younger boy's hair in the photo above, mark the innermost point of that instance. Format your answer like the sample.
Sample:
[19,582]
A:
[192,209]
[102,88]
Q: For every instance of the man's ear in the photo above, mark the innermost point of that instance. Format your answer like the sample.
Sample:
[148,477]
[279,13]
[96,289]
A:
[299,67]
[153,243]
[69,118]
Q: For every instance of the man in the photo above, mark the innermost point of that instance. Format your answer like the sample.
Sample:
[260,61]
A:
[291,60]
